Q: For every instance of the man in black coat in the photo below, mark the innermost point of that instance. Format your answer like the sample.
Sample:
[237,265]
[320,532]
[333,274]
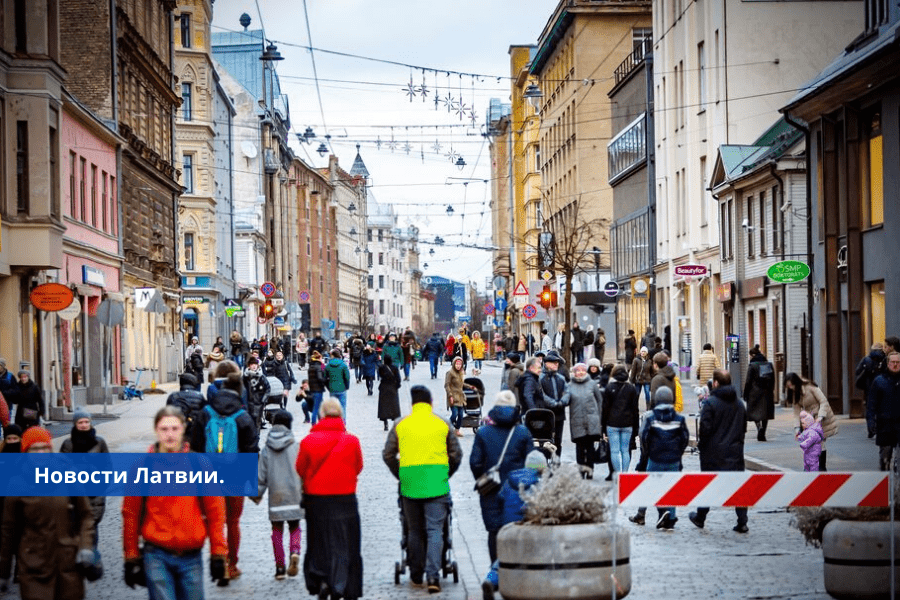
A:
[556,395]
[884,399]
[870,367]
[723,424]
[528,386]
[759,392]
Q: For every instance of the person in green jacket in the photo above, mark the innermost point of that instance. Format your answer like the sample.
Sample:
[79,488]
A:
[337,379]
[393,349]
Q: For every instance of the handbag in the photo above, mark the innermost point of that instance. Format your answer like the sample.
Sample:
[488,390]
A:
[489,482]
[601,452]
[30,413]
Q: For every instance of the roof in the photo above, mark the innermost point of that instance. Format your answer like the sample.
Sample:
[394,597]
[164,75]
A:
[735,161]
[359,167]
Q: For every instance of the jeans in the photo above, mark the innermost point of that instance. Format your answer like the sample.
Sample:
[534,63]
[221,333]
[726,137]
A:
[357,371]
[173,577]
[342,398]
[425,542]
[234,506]
[304,404]
[740,511]
[316,398]
[664,467]
[370,384]
[456,416]
[619,440]
[646,394]
[433,362]
[406,367]
[477,362]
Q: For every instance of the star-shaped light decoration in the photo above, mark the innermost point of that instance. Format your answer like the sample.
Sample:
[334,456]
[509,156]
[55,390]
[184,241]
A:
[461,110]
[423,91]
[437,146]
[392,145]
[410,89]
[449,101]
[452,155]
[378,142]
[406,148]
[473,116]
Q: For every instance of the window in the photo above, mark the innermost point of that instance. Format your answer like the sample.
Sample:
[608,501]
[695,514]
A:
[701,74]
[872,171]
[308,246]
[54,174]
[369,256]
[83,190]
[749,228]
[762,222]
[369,235]
[381,235]
[328,253]
[681,108]
[716,68]
[371,282]
[95,209]
[321,284]
[21,25]
[22,188]
[639,34]
[777,224]
[186,101]
[188,166]
[380,256]
[371,307]
[113,207]
[104,202]
[72,197]
[704,198]
[381,282]
[381,307]
[189,251]
[185,30]
[628,149]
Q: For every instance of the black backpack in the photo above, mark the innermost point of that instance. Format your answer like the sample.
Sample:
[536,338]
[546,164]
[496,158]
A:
[190,403]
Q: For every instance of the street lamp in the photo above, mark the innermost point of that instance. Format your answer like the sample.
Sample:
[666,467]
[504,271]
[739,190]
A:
[353,231]
[533,94]
[271,53]
[449,210]
[460,163]
[307,136]
[352,207]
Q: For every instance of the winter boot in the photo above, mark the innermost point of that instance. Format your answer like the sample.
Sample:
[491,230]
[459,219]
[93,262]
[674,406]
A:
[822,461]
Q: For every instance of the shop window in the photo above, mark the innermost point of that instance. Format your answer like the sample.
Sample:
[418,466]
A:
[874,315]
[76,333]
[872,171]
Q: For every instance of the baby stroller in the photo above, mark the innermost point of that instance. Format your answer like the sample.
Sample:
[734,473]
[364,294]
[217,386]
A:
[448,564]
[541,422]
[275,399]
[474,403]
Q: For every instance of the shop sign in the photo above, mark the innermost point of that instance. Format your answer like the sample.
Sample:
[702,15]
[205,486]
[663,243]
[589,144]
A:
[788,271]
[51,297]
[194,300]
[691,270]
[92,276]
[235,310]
[724,292]
[70,312]
[754,287]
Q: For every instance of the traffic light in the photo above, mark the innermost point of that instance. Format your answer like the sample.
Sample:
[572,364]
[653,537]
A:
[268,309]
[554,300]
[547,297]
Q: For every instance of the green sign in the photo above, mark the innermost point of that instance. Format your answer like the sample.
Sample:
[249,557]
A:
[235,311]
[788,271]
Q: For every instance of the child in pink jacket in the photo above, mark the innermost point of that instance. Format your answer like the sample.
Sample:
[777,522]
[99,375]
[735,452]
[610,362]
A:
[811,441]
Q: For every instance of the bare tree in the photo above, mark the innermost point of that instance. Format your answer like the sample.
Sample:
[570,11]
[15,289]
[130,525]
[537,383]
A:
[567,250]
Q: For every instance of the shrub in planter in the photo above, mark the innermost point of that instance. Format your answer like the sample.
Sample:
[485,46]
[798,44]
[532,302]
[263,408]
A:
[564,548]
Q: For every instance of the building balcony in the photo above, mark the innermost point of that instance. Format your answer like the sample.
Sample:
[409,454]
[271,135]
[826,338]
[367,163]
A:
[633,60]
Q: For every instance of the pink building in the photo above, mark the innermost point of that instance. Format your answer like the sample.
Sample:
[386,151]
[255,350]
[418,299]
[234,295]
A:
[89,342]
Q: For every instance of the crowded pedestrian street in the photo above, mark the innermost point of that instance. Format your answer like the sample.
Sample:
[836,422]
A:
[685,562]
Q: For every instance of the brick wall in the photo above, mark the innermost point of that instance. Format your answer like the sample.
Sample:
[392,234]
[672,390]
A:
[85,52]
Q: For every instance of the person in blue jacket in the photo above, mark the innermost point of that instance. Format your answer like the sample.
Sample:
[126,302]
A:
[369,364]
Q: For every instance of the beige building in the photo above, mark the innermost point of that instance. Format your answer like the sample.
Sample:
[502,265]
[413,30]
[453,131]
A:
[721,72]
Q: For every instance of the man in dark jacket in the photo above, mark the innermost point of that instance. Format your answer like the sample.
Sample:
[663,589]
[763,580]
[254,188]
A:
[285,374]
[188,400]
[30,401]
[433,350]
[556,396]
[514,369]
[195,366]
[7,383]
[870,367]
[258,388]
[577,344]
[723,423]
[759,392]
[227,405]
[317,381]
[665,436]
[884,399]
[528,385]
[317,344]
[664,376]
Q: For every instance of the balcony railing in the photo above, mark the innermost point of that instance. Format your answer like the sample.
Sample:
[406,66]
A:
[633,60]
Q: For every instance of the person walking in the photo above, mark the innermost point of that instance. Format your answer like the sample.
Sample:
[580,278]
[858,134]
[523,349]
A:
[706,364]
[600,344]
[464,347]
[393,349]
[236,341]
[357,347]
[810,440]
[225,368]
[52,538]
[224,427]
[502,443]
[434,348]
[329,464]
[408,346]
[214,358]
[665,436]
[7,383]
[663,376]
[871,366]
[258,388]
[318,344]
[477,352]
[369,364]
[302,349]
[546,341]
[30,403]
[588,341]
[454,386]
[277,474]
[630,344]
[621,418]
[285,374]
[585,409]
[884,397]
[723,424]
[423,453]
[577,339]
[338,379]
[759,392]
[192,348]
[84,439]
[388,392]
[806,395]
[555,392]
[173,529]
[649,337]
[317,381]
[188,400]
[514,370]
[528,386]
[642,374]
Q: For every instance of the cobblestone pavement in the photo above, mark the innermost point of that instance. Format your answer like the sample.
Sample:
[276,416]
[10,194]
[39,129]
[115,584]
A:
[769,562]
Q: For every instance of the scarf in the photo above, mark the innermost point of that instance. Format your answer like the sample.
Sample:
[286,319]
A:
[83,441]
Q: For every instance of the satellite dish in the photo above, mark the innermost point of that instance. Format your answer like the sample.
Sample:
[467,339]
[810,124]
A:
[248,149]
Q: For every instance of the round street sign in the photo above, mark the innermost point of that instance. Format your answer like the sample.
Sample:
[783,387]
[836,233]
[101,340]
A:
[267,289]
[500,304]
[304,296]
[488,309]
[788,271]
[261,320]
[529,311]
[71,311]
[611,289]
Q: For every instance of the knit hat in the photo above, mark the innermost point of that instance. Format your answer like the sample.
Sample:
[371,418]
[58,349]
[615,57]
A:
[514,358]
[25,371]
[806,419]
[283,417]
[187,379]
[2,362]
[12,429]
[663,396]
[595,362]
[505,398]
[536,460]
[644,349]
[35,435]
[79,414]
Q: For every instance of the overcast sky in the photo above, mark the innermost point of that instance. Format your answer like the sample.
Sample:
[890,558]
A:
[363,101]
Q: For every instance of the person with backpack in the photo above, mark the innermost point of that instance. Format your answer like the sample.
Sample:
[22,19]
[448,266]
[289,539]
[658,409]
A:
[870,367]
[257,386]
[277,474]
[434,348]
[317,381]
[173,528]
[356,353]
[225,427]
[195,365]
[759,392]
[188,400]
[665,436]
[223,370]
[337,379]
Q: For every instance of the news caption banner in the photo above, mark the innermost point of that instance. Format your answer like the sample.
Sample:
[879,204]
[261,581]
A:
[163,474]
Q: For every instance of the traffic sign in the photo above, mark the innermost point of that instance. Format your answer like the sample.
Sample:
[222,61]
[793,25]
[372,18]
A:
[547,275]
[520,290]
[277,301]
[267,289]
[611,289]
[500,304]
[465,319]
[261,320]
[304,296]
[488,309]
[529,311]
[498,323]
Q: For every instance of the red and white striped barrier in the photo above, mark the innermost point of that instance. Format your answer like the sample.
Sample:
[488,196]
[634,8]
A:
[753,489]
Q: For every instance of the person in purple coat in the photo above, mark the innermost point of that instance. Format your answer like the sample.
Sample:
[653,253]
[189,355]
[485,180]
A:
[810,441]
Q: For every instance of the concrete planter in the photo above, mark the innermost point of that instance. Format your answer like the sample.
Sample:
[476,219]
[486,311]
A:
[552,562]
[857,558]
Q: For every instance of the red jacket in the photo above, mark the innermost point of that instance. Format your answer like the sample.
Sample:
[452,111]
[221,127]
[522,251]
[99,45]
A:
[330,459]
[175,523]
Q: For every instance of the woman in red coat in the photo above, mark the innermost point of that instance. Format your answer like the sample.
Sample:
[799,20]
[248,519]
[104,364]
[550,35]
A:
[329,463]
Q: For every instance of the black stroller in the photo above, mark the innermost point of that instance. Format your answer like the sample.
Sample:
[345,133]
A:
[541,422]
[275,400]
[474,403]
[448,564]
